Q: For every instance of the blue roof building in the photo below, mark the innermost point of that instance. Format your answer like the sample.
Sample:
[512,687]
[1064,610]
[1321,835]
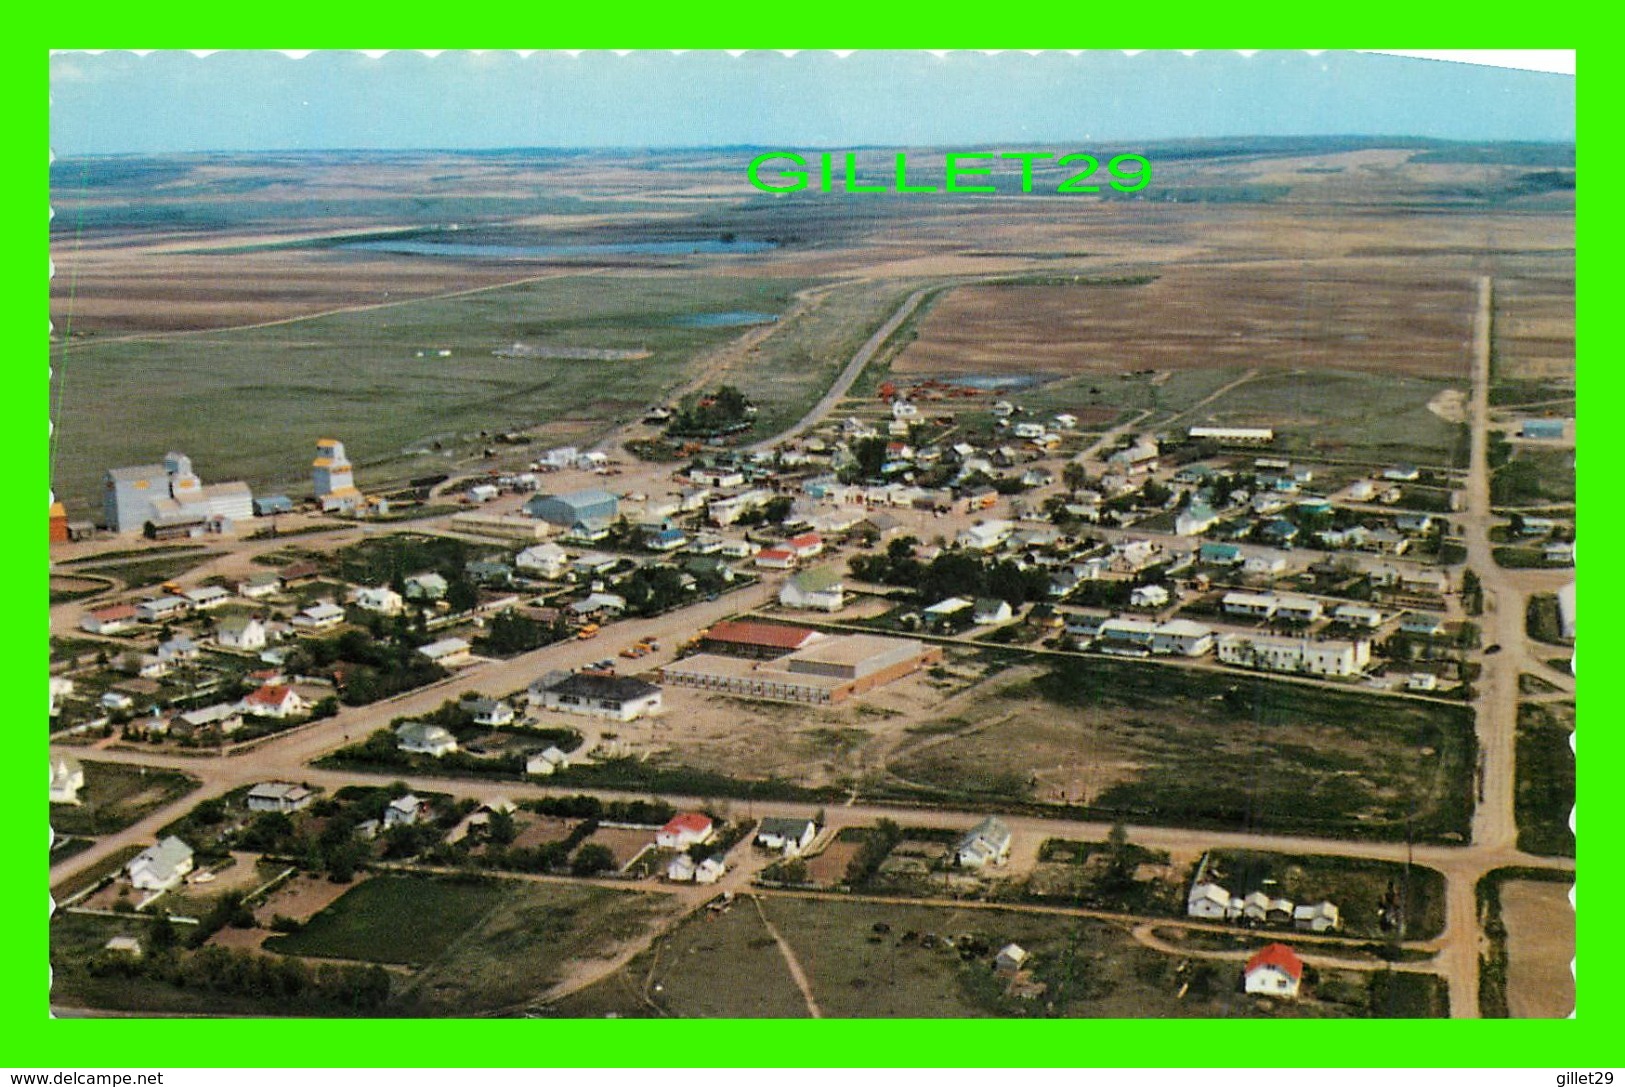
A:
[566,510]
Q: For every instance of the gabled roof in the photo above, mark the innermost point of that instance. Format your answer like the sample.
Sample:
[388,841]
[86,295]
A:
[1281,957]
[691,821]
[272,694]
[771,635]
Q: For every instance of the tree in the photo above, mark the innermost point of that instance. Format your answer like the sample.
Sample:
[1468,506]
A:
[502,828]
[592,859]
[461,595]
[1075,476]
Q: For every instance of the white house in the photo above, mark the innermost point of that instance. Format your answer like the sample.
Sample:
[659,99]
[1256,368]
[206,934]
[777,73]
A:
[618,698]
[403,811]
[985,536]
[685,829]
[322,615]
[988,842]
[280,796]
[1274,971]
[817,589]
[383,600]
[162,866]
[547,560]
[546,762]
[429,586]
[425,739]
[992,610]
[448,652]
[108,620]
[208,596]
[1148,596]
[1208,900]
[276,700]
[67,778]
[1320,917]
[241,632]
[788,836]
[490,711]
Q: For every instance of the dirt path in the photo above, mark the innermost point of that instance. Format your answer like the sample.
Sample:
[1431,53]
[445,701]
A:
[798,975]
[1145,936]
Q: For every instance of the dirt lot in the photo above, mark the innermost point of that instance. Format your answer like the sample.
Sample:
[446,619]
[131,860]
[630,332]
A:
[303,897]
[535,830]
[625,843]
[1540,943]
[829,867]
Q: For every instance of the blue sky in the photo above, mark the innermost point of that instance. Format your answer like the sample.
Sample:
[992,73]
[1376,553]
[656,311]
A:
[118,103]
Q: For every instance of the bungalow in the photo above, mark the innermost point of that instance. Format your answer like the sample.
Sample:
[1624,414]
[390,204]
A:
[178,649]
[226,717]
[1208,900]
[1195,519]
[490,711]
[428,586]
[685,829]
[667,539]
[1428,625]
[776,558]
[1359,615]
[594,564]
[260,586]
[1414,524]
[1297,609]
[618,698]
[209,596]
[160,867]
[322,615]
[985,536]
[241,632]
[988,842]
[1274,971]
[1265,503]
[420,738]
[1422,682]
[1037,477]
[1219,554]
[681,869]
[788,836]
[403,811]
[280,796]
[383,600]
[448,652]
[944,609]
[1148,596]
[1279,533]
[161,608]
[1362,490]
[597,605]
[1266,565]
[818,589]
[546,761]
[67,778]
[806,545]
[117,700]
[1066,421]
[276,700]
[547,560]
[1251,605]
[991,610]
[1320,917]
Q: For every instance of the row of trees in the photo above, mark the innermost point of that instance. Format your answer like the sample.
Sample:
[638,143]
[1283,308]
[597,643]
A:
[288,980]
[952,573]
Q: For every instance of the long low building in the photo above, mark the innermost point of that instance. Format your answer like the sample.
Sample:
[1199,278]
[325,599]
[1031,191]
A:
[1271,653]
[1180,637]
[1240,435]
[619,698]
[828,671]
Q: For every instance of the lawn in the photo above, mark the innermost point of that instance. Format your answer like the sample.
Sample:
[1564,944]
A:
[357,375]
[1543,619]
[1545,780]
[395,919]
[144,573]
[1143,743]
[116,795]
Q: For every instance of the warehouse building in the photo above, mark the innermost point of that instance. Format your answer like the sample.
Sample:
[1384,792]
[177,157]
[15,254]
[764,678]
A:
[578,507]
[828,671]
[763,641]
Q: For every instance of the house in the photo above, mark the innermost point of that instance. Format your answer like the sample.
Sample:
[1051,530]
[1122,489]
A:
[1297,609]
[1414,524]
[681,869]
[117,700]
[61,687]
[1274,971]
[276,700]
[1181,637]
[1251,605]
[817,589]
[1320,917]
[1422,623]
[988,842]
[788,836]
[991,610]
[985,536]
[1279,533]
[67,778]
[490,711]
[162,608]
[260,586]
[1402,473]
[547,560]
[322,615]
[383,600]
[162,866]
[1560,553]
[685,829]
[448,652]
[279,796]
[667,539]
[1011,958]
[1264,565]
[403,811]
[108,620]
[428,586]
[618,698]
[1281,654]
[1195,519]
[1148,596]
[1421,681]
[241,632]
[776,558]
[944,609]
[420,738]
[1219,554]
[1208,900]
[806,545]
[225,717]
[124,945]
[1359,615]
[710,870]
[178,650]
[546,761]
[209,596]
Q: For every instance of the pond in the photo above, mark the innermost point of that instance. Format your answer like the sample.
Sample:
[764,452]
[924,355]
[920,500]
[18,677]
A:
[729,319]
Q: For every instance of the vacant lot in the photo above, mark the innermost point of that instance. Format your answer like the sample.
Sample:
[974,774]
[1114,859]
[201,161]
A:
[116,795]
[395,919]
[1175,746]
[1200,317]
[534,936]
[359,376]
[1545,778]
[1540,944]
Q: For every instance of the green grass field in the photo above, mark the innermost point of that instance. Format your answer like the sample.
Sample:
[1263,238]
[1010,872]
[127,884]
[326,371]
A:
[250,403]
[1545,781]
[1355,886]
[395,919]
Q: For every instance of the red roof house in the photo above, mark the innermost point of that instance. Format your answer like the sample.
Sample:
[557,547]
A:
[684,829]
[1275,971]
[805,545]
[274,700]
[776,558]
